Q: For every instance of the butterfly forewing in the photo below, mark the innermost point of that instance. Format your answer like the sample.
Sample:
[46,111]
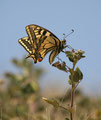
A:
[32,36]
[38,34]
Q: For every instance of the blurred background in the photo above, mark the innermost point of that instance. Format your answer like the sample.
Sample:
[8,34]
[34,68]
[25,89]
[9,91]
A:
[59,17]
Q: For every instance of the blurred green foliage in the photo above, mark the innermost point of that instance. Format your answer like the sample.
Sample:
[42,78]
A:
[22,94]
[20,98]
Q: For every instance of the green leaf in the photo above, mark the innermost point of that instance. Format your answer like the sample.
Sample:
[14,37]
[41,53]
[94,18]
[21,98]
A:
[74,56]
[69,80]
[70,55]
[78,75]
[52,102]
[60,66]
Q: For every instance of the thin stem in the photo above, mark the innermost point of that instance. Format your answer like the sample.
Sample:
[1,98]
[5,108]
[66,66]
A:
[72,100]
[72,93]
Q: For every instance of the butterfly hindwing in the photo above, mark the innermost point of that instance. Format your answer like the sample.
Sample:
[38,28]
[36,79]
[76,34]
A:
[25,42]
[52,56]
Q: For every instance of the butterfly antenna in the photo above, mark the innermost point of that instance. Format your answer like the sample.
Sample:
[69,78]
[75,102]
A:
[68,34]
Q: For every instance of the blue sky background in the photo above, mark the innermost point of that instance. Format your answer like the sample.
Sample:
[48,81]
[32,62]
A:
[59,16]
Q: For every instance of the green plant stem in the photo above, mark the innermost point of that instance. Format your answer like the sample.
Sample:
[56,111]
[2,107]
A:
[72,101]
[72,93]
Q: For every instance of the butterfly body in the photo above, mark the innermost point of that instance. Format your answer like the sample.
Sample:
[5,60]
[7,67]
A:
[39,42]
